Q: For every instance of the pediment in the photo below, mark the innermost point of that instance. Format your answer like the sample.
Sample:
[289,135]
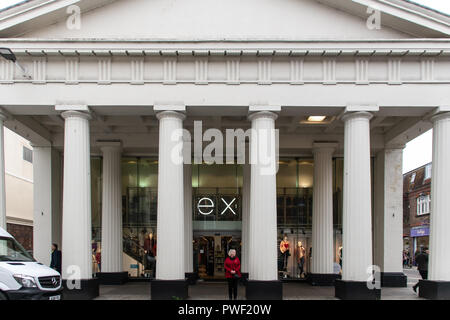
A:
[208,20]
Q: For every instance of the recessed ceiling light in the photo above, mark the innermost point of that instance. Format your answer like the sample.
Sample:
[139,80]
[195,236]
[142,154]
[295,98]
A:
[316,118]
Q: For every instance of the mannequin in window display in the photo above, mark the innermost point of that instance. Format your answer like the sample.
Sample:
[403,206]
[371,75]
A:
[285,253]
[150,253]
[142,237]
[300,255]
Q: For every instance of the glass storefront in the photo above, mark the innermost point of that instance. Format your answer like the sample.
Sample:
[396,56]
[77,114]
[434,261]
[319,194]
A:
[217,214]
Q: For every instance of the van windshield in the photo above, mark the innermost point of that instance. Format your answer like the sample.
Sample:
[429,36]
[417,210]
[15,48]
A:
[11,250]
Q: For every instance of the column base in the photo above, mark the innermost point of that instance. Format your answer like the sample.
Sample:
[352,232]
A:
[191,278]
[394,280]
[112,278]
[434,290]
[89,289]
[264,290]
[322,279]
[244,278]
[355,290]
[169,289]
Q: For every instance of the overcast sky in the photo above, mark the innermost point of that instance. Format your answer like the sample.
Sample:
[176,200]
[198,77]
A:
[419,151]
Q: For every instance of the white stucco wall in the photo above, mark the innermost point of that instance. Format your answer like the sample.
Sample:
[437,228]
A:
[18,180]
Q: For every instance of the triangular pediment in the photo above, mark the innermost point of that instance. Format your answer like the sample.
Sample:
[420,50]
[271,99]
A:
[211,19]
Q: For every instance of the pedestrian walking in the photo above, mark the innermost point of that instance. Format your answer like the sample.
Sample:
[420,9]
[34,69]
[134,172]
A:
[422,266]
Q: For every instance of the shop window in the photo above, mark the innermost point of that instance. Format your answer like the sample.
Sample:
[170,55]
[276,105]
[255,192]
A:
[423,205]
[427,172]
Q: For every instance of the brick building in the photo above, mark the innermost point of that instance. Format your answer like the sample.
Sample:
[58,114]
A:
[416,208]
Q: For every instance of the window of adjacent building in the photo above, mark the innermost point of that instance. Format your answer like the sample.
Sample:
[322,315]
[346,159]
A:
[27,154]
[413,177]
[423,205]
[427,172]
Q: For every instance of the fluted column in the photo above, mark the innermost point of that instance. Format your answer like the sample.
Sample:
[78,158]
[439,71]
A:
[357,210]
[245,217]
[357,225]
[439,269]
[263,274]
[2,173]
[77,232]
[170,230]
[188,233]
[322,226]
[112,242]
[388,216]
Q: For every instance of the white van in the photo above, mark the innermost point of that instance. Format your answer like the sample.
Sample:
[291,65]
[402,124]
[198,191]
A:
[21,277]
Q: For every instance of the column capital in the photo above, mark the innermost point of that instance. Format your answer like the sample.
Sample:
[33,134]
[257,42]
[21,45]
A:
[258,108]
[170,114]
[179,107]
[324,147]
[358,114]
[76,114]
[362,108]
[263,114]
[440,116]
[110,145]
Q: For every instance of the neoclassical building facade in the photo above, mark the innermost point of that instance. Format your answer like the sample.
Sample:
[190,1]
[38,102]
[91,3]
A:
[101,86]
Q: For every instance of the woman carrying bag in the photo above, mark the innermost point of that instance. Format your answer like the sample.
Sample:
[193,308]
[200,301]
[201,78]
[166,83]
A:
[232,273]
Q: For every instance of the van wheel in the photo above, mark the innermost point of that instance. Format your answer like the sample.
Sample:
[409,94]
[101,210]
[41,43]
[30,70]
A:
[2,296]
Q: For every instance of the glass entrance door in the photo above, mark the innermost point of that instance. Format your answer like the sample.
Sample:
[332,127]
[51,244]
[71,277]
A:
[210,252]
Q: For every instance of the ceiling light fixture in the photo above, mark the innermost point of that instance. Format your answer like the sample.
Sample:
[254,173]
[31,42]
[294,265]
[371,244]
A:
[316,118]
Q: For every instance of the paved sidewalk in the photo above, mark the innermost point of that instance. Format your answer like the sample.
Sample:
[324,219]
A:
[218,291]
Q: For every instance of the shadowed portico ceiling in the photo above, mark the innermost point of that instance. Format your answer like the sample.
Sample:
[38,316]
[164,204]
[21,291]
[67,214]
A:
[293,121]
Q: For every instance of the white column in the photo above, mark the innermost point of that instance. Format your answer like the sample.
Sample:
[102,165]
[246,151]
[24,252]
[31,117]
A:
[2,173]
[112,242]
[322,226]
[388,215]
[245,217]
[77,233]
[357,221]
[47,215]
[188,235]
[263,201]
[439,269]
[170,262]
[42,204]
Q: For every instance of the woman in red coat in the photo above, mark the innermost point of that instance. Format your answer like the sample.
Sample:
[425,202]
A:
[232,273]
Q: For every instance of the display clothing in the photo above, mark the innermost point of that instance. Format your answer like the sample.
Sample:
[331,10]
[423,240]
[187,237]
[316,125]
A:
[285,253]
[150,246]
[150,254]
[301,259]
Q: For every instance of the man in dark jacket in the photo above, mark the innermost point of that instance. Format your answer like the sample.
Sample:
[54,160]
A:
[422,265]
[56,258]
